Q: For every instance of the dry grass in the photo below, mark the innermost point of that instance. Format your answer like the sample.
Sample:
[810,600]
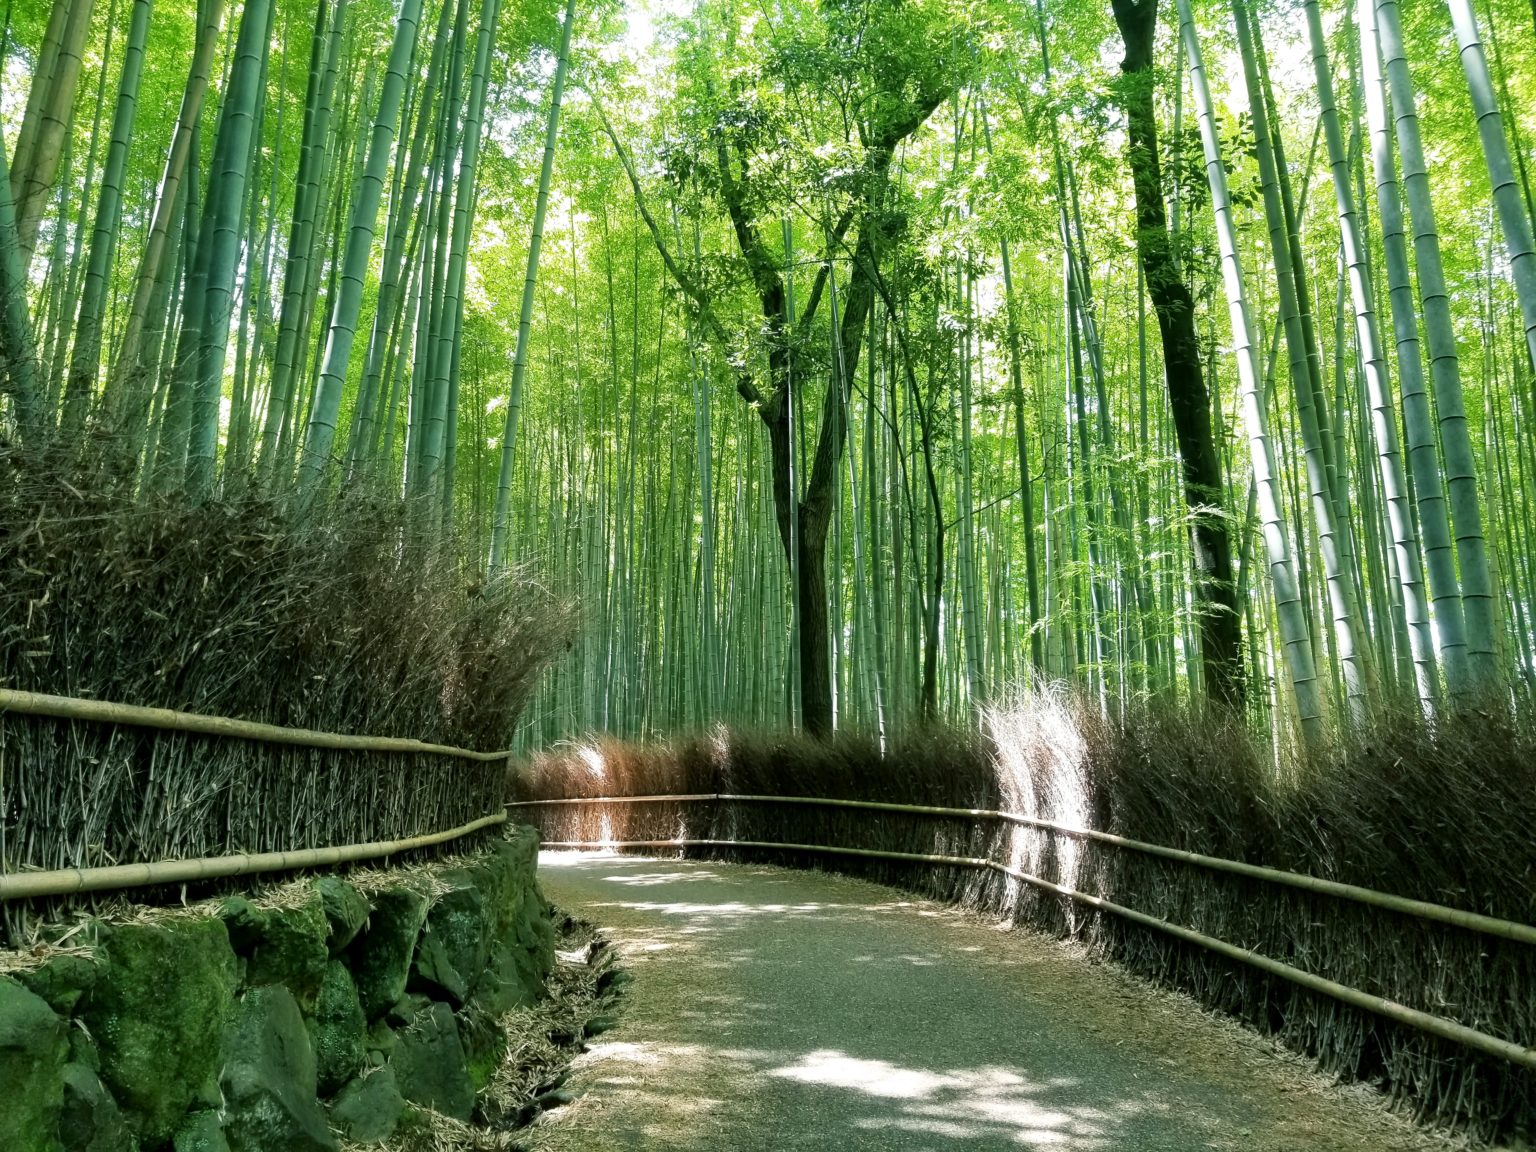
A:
[339,618]
[1440,813]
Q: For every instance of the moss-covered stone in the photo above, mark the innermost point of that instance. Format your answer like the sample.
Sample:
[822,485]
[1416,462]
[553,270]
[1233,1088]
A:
[402,1013]
[292,951]
[159,999]
[533,934]
[90,1120]
[158,1016]
[346,910]
[506,874]
[380,957]
[33,1052]
[243,921]
[430,1065]
[381,1037]
[269,1078]
[507,982]
[369,1108]
[339,1030]
[520,960]
[83,1050]
[200,1132]
[61,980]
[453,945]
[485,1045]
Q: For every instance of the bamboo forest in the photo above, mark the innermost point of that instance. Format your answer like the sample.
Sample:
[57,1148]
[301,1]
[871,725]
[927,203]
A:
[764,575]
[849,365]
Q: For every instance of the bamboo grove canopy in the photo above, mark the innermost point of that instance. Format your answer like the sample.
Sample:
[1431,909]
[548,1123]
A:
[848,363]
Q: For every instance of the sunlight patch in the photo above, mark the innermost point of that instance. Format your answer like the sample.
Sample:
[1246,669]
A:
[1042,772]
[873,1077]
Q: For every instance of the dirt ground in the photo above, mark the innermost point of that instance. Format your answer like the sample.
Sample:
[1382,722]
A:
[781,1010]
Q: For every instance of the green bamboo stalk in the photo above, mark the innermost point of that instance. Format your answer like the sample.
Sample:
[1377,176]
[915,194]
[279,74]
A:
[1374,369]
[17,353]
[1418,421]
[1445,371]
[124,383]
[35,181]
[499,542]
[85,360]
[221,235]
[324,67]
[1295,637]
[365,212]
[1513,218]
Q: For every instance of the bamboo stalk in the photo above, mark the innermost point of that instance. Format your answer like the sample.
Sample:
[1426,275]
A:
[66,881]
[166,719]
[1422,909]
[1391,1009]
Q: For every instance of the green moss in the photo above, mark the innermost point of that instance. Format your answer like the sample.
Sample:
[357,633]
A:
[346,910]
[485,1045]
[33,1052]
[200,1132]
[380,958]
[158,1015]
[339,1030]
[269,1080]
[453,944]
[90,1120]
[243,920]
[369,1109]
[62,980]
[291,950]
[430,1064]
[381,1037]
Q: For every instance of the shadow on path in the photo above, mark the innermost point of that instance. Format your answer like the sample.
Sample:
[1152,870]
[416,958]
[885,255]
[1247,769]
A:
[777,1010]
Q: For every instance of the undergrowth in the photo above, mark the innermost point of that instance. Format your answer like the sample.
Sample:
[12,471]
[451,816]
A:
[1441,812]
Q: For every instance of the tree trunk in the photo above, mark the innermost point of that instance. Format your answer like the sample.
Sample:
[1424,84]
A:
[1188,397]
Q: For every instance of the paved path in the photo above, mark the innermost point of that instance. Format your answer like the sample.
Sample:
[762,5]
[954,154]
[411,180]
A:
[780,1010]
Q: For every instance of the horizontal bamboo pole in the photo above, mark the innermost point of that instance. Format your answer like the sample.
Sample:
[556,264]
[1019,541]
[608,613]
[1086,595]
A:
[1390,1009]
[67,881]
[165,719]
[1422,909]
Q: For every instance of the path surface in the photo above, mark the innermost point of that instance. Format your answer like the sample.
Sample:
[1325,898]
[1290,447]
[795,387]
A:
[781,1010]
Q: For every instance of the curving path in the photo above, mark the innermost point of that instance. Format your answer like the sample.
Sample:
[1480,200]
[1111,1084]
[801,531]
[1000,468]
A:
[776,1010]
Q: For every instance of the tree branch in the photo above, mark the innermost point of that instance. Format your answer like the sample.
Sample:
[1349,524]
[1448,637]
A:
[745,385]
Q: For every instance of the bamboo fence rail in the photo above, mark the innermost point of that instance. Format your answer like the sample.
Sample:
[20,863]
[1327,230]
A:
[1422,909]
[69,881]
[166,719]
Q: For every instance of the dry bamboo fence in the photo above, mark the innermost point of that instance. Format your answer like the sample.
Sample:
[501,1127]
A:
[457,792]
[1446,1069]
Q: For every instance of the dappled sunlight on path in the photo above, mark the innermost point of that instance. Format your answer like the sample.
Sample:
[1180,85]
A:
[776,1010]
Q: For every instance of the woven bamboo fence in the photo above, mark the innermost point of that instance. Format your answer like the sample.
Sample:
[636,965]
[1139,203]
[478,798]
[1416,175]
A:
[256,798]
[1432,1000]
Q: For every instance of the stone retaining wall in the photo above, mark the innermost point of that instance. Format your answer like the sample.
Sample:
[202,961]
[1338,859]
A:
[326,1010]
